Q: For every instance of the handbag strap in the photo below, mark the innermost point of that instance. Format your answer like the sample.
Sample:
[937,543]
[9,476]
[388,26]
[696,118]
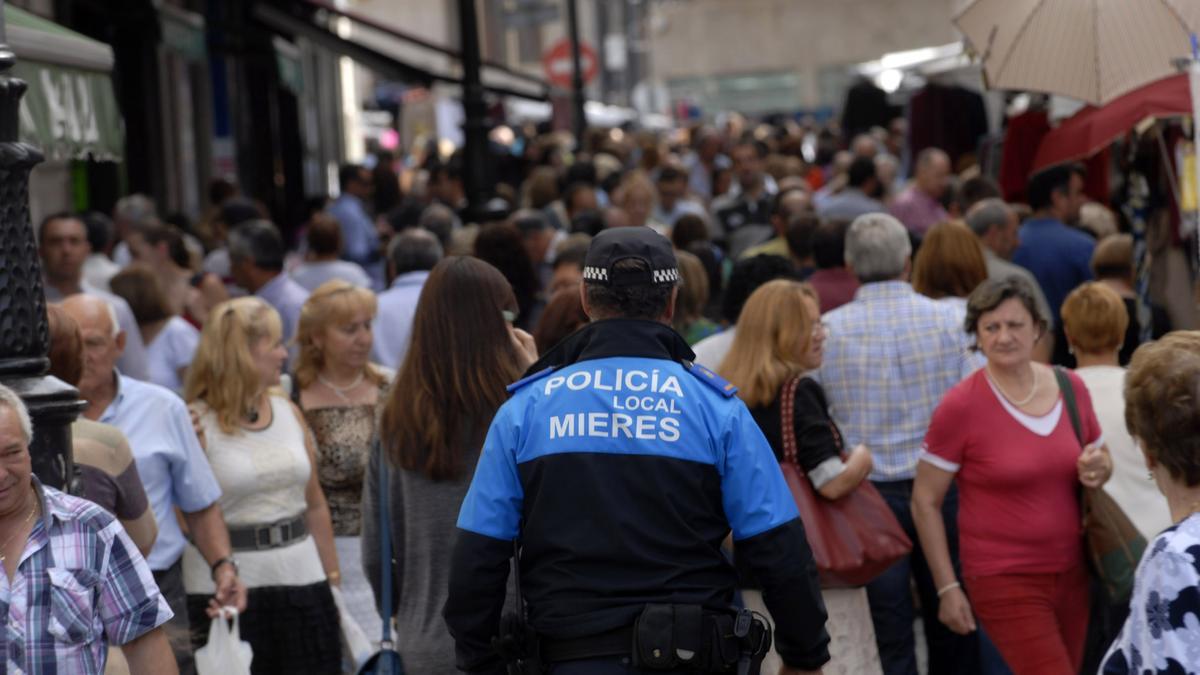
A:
[1068,393]
[385,549]
[787,419]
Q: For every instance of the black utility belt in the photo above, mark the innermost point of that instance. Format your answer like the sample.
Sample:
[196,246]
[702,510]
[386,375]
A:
[265,537]
[676,637]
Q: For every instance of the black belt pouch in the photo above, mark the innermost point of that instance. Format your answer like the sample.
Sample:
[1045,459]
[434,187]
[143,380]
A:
[667,637]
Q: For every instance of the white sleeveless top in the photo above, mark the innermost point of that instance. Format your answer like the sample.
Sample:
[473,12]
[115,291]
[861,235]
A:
[263,475]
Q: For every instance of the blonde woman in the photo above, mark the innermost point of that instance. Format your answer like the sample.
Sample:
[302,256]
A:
[279,527]
[780,338]
[340,393]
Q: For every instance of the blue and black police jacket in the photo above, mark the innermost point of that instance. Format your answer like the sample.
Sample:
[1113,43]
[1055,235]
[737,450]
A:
[621,468]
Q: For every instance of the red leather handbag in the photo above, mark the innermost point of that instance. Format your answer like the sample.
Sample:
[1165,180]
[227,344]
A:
[853,539]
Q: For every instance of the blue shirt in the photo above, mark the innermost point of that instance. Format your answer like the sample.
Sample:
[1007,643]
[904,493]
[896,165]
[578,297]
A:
[848,204]
[287,297]
[360,240]
[890,357]
[1060,258]
[394,319]
[311,275]
[169,459]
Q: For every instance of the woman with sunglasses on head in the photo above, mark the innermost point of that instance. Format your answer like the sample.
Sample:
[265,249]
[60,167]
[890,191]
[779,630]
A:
[263,456]
[464,352]
[780,338]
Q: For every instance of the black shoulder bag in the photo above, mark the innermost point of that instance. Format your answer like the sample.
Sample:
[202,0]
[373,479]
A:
[1114,546]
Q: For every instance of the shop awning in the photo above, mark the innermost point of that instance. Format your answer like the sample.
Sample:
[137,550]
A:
[293,24]
[69,110]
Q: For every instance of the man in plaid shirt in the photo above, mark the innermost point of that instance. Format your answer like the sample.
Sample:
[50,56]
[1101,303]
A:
[890,356]
[74,582]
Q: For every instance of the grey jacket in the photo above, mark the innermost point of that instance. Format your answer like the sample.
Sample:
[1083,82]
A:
[423,516]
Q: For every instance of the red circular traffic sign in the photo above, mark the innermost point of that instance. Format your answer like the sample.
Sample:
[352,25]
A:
[557,63]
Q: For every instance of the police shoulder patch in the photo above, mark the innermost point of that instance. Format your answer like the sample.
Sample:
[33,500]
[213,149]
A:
[711,379]
[530,378]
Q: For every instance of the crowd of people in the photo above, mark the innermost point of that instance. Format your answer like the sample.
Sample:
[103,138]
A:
[248,383]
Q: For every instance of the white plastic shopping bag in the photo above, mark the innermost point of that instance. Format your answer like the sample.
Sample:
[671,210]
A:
[358,646]
[225,653]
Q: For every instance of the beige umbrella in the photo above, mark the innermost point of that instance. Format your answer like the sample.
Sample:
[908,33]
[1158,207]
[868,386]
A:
[1092,50]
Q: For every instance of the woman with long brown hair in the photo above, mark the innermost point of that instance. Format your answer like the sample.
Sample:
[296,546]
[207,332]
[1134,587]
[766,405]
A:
[464,352]
[564,315]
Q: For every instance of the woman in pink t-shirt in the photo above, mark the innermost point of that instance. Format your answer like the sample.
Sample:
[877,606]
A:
[1005,437]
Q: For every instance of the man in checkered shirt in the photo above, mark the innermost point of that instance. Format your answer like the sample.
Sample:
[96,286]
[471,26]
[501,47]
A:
[890,356]
[74,582]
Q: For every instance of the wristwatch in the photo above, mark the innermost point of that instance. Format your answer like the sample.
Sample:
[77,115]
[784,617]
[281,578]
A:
[223,561]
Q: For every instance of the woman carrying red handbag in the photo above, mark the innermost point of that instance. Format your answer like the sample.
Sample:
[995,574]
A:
[779,339]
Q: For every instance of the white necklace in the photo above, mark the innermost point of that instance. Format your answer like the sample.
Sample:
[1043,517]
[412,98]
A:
[1027,399]
[341,391]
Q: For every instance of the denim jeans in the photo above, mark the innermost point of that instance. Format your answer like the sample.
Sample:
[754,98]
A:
[892,608]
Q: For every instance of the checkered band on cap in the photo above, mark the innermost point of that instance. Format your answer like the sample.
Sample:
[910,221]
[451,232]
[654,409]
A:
[595,274]
[668,275]
[599,274]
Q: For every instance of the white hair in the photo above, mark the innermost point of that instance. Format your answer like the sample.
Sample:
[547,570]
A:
[877,247]
[9,399]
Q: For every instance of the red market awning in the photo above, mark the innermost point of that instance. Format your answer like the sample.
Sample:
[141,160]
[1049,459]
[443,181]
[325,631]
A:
[1092,129]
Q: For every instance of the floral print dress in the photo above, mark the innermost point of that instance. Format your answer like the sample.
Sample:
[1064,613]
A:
[1162,634]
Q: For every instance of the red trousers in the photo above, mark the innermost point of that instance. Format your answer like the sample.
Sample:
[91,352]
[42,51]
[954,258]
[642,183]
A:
[1037,621]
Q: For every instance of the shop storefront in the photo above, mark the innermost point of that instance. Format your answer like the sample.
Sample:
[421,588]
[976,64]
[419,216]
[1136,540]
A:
[68,112]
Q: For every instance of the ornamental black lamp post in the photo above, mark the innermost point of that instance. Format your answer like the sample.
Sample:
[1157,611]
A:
[24,334]
[578,116]
[475,128]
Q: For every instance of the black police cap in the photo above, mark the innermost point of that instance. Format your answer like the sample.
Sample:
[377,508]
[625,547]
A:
[622,243]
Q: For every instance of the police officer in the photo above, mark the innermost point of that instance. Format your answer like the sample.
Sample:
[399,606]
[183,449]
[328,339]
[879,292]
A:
[620,467]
